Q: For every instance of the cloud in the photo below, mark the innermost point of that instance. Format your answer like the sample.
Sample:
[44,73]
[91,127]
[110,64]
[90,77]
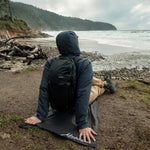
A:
[141,9]
[141,14]
[78,8]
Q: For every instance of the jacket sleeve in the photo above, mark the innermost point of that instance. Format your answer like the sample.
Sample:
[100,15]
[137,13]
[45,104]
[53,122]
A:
[43,101]
[84,84]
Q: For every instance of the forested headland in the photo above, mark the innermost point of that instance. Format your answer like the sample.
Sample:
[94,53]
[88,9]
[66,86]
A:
[45,20]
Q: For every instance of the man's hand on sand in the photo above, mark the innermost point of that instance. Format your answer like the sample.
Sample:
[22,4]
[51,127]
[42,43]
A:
[32,120]
[86,133]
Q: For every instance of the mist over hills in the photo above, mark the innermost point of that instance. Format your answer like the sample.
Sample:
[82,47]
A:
[45,20]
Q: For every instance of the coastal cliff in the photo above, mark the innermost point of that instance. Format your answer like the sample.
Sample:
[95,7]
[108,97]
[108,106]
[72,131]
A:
[11,28]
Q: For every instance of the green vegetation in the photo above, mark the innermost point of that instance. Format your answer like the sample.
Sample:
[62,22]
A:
[40,133]
[144,136]
[123,96]
[16,24]
[141,88]
[134,84]
[31,68]
[71,145]
[45,20]
[100,148]
[7,118]
[16,136]
[61,148]
[146,99]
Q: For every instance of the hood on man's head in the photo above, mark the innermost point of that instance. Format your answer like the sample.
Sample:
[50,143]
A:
[67,43]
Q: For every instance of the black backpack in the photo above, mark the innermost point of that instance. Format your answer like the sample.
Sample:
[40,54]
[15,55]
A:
[62,83]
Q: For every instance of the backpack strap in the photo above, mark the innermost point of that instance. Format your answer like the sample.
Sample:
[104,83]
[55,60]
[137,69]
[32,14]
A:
[76,59]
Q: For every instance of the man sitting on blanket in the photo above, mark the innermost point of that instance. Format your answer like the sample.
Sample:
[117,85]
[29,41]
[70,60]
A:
[87,90]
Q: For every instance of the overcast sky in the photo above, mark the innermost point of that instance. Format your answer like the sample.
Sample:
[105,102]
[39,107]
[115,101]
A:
[124,14]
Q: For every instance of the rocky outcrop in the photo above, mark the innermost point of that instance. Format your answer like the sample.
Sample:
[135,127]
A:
[18,28]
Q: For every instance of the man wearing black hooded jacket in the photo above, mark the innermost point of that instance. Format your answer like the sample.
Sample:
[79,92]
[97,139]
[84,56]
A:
[67,43]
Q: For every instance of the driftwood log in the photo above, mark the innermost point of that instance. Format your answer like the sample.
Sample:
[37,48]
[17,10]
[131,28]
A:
[144,81]
[5,56]
[10,49]
[7,41]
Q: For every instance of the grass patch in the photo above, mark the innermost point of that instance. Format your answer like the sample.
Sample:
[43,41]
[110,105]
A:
[16,24]
[100,148]
[61,148]
[5,119]
[144,138]
[31,68]
[146,99]
[40,133]
[123,96]
[16,136]
[16,118]
[71,145]
[141,88]
[134,84]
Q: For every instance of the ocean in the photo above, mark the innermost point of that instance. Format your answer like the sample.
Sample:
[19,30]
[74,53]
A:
[112,42]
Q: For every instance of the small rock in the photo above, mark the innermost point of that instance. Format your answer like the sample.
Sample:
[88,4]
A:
[4,135]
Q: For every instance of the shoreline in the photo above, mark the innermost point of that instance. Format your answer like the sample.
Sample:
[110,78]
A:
[124,60]
[105,49]
[88,45]
[122,66]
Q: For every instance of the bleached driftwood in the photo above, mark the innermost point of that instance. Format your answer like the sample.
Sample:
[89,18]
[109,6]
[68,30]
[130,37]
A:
[10,49]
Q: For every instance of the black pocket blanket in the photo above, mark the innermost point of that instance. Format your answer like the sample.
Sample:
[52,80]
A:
[63,124]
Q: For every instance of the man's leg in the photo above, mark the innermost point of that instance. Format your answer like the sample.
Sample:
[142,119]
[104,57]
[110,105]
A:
[95,92]
[97,89]
[97,82]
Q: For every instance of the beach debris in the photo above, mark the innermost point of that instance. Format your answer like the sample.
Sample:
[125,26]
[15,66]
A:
[142,75]
[144,81]
[93,56]
[12,50]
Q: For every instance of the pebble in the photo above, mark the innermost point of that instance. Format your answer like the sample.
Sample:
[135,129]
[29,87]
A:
[4,135]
